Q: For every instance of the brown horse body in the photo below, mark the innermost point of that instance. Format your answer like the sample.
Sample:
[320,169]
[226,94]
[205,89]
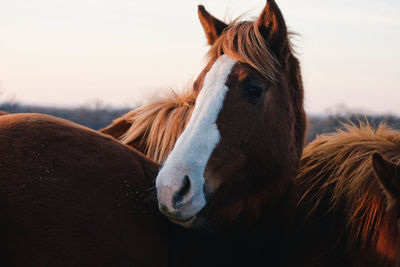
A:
[70,196]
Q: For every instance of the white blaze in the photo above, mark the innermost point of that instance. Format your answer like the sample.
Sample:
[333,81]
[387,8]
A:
[194,147]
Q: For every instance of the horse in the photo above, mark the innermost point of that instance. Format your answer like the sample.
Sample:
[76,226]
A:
[248,101]
[348,199]
[245,133]
[231,169]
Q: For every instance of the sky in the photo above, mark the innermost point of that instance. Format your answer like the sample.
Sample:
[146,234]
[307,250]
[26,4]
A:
[126,52]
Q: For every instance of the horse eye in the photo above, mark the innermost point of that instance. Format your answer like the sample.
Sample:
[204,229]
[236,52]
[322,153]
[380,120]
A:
[253,92]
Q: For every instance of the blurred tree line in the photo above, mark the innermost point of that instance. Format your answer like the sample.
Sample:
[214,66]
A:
[321,125]
[340,114]
[97,115]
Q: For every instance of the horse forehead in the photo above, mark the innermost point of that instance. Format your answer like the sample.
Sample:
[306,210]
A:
[236,68]
[243,70]
[220,70]
[210,98]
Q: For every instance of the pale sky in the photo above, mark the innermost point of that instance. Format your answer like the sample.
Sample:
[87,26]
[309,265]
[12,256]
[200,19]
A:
[69,52]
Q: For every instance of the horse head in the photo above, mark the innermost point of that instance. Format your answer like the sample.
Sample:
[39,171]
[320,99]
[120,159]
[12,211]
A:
[242,144]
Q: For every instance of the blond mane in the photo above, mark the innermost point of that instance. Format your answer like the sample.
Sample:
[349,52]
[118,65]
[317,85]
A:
[337,169]
[154,128]
[244,42]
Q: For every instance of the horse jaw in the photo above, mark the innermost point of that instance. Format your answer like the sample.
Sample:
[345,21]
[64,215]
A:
[194,147]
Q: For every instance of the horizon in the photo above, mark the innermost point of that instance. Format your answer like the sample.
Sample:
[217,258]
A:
[68,53]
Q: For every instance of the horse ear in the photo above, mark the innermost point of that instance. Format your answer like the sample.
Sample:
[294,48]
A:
[212,26]
[271,25]
[388,175]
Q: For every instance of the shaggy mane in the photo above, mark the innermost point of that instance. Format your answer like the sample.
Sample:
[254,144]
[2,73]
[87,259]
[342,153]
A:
[337,169]
[244,42]
[156,126]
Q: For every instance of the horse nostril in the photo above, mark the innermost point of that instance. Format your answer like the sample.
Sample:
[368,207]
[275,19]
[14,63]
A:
[177,198]
[163,208]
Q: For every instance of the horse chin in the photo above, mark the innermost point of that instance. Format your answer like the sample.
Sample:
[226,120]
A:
[188,223]
[197,221]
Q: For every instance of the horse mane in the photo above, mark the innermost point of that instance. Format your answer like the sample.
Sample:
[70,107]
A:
[243,41]
[336,178]
[154,128]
